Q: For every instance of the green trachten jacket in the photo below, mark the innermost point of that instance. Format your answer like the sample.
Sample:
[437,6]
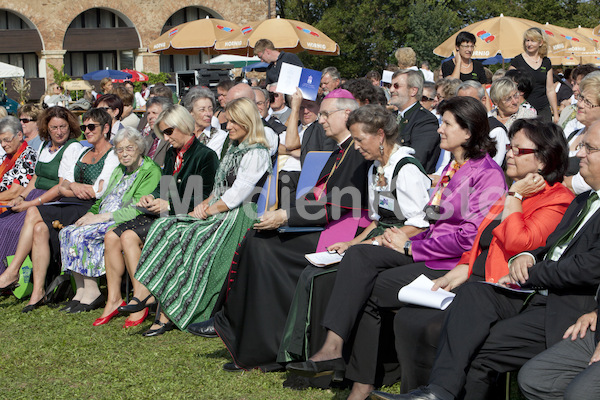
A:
[145,182]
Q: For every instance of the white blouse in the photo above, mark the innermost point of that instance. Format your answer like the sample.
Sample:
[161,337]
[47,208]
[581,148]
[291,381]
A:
[253,166]
[67,169]
[411,188]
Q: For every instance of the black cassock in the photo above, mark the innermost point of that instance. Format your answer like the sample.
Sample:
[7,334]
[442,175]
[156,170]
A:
[252,308]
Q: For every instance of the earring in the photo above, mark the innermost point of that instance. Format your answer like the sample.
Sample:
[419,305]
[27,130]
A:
[381,148]
[539,171]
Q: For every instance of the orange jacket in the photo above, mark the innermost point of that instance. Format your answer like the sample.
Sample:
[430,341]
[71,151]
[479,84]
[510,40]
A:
[520,231]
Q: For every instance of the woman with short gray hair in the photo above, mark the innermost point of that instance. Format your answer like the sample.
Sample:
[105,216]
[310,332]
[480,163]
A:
[17,165]
[200,102]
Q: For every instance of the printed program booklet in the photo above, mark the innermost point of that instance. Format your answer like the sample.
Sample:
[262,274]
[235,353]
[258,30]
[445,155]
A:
[292,77]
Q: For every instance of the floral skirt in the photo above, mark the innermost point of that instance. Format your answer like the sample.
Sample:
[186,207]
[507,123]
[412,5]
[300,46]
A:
[82,248]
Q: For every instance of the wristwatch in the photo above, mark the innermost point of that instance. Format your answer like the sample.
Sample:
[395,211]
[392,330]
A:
[407,247]
[516,195]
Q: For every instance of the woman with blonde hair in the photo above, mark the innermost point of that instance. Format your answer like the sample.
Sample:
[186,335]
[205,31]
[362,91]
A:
[534,61]
[186,258]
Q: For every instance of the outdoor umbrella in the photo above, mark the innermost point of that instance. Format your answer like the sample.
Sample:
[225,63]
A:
[578,44]
[106,73]
[195,36]
[236,61]
[588,33]
[258,67]
[502,35]
[136,76]
[289,35]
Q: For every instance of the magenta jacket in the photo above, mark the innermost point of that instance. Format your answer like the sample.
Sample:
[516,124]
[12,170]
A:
[467,199]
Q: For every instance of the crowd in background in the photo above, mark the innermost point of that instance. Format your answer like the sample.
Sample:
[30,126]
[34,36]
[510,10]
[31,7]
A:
[457,174]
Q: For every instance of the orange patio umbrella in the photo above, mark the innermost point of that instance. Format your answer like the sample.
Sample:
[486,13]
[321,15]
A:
[286,34]
[499,35]
[195,36]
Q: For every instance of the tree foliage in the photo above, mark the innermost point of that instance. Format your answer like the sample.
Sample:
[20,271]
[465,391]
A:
[369,31]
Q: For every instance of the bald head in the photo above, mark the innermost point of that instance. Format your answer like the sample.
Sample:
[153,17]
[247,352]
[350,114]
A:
[240,90]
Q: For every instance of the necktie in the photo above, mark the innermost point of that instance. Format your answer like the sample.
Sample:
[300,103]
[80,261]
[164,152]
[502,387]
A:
[568,235]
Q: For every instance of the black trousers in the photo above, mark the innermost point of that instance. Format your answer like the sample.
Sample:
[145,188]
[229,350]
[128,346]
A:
[487,331]
[366,288]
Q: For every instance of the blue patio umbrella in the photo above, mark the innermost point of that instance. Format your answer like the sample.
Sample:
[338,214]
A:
[260,67]
[106,73]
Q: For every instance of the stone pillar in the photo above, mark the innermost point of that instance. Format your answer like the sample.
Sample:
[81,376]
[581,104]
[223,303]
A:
[50,57]
[145,61]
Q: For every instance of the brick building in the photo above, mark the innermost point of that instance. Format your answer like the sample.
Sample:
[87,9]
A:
[88,35]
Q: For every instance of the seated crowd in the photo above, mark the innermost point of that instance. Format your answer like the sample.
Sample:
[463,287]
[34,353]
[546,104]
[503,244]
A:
[210,206]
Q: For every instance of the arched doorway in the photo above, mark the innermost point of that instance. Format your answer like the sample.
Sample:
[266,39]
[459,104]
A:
[20,42]
[174,63]
[99,38]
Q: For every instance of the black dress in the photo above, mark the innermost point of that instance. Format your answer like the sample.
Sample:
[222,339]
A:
[252,308]
[477,74]
[538,98]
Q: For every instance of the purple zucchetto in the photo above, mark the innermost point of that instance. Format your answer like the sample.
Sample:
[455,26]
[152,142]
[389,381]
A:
[339,94]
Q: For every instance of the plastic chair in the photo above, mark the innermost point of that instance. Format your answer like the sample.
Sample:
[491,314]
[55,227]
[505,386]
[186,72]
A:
[267,200]
[311,170]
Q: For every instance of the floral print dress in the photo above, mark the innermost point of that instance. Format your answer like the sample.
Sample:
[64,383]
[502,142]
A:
[82,247]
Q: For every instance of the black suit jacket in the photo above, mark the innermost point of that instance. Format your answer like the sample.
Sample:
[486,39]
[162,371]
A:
[420,133]
[572,280]
[314,139]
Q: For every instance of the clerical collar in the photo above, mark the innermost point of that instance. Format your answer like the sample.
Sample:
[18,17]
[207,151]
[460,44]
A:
[407,108]
[341,144]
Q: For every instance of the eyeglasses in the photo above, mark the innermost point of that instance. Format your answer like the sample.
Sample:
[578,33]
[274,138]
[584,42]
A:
[168,131]
[519,152]
[59,128]
[91,127]
[588,149]
[509,99]
[425,98]
[8,140]
[327,114]
[586,102]
[467,46]
[128,149]
[261,103]
[26,120]
[397,86]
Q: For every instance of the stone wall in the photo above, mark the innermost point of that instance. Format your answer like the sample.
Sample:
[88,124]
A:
[53,17]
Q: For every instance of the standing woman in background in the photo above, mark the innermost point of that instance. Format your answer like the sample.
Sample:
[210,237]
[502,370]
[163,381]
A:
[534,61]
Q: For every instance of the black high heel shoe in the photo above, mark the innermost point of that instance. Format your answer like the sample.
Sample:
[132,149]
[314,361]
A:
[31,307]
[164,327]
[313,369]
[137,306]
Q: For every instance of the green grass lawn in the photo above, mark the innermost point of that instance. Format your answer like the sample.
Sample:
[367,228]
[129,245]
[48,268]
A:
[53,355]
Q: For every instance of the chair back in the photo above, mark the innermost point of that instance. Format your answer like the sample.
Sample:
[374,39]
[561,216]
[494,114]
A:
[311,170]
[267,200]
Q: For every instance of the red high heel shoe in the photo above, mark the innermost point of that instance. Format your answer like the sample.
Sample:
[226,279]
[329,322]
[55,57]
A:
[102,321]
[129,324]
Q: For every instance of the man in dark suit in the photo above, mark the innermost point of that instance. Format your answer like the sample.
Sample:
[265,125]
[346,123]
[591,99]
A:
[416,125]
[265,50]
[490,330]
[156,147]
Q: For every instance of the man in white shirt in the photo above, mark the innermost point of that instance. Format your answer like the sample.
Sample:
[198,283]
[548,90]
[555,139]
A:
[278,107]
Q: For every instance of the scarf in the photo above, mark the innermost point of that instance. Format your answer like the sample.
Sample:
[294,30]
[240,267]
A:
[437,197]
[231,163]
[180,153]
[10,160]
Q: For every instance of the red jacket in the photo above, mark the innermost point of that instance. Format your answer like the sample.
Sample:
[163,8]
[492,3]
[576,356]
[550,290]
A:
[521,231]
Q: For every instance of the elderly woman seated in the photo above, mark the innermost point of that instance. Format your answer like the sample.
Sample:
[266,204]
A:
[18,164]
[82,244]
[200,102]
[505,96]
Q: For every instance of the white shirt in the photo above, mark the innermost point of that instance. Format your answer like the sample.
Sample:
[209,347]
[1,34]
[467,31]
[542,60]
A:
[501,138]
[66,170]
[253,166]
[411,188]
[272,138]
[215,142]
[292,163]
